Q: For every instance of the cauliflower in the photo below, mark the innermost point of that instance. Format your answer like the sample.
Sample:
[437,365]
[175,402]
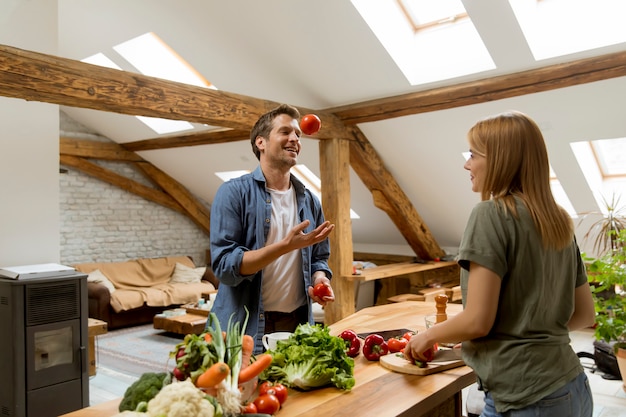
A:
[180,399]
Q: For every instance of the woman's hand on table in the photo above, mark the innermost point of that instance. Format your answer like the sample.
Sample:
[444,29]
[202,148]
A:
[418,347]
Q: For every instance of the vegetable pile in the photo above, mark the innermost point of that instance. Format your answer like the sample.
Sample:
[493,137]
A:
[178,399]
[311,358]
[219,362]
[212,369]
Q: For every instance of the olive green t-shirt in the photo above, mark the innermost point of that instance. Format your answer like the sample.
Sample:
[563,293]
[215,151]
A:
[527,354]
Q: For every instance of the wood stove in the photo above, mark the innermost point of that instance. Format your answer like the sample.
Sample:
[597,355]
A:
[44,366]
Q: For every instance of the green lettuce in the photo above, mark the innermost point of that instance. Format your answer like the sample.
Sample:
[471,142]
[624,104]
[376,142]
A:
[311,358]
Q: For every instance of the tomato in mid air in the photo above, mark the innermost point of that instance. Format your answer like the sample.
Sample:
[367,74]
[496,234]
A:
[310,124]
[322,290]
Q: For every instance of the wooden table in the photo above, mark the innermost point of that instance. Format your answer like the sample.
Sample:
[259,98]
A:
[378,391]
[183,324]
[95,327]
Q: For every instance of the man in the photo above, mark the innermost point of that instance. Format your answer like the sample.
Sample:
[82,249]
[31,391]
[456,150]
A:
[269,238]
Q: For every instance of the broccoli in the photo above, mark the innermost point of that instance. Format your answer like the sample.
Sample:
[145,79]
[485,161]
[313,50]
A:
[144,389]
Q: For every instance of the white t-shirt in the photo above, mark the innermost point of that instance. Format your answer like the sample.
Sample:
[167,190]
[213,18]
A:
[283,287]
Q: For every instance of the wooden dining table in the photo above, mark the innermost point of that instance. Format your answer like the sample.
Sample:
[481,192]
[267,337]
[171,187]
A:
[378,391]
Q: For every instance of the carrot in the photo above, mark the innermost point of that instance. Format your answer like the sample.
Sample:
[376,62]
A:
[208,338]
[247,347]
[255,368]
[213,376]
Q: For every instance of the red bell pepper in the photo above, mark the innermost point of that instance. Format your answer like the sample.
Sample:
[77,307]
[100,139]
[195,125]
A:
[353,344]
[374,347]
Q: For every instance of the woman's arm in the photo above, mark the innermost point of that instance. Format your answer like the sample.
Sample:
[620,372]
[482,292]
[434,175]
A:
[584,311]
[474,321]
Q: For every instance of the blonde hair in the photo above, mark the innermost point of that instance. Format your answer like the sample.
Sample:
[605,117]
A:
[517,165]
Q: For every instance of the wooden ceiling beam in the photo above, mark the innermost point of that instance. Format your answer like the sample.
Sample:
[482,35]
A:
[40,77]
[96,150]
[173,195]
[389,197]
[495,88]
[122,182]
[193,139]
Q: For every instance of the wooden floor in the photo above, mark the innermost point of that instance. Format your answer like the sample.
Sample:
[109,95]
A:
[609,396]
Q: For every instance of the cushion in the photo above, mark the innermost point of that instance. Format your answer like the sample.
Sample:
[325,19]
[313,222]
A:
[186,275]
[99,278]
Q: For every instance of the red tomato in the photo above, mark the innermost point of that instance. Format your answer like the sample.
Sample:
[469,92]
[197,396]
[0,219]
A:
[267,404]
[396,344]
[430,353]
[408,335]
[321,290]
[250,408]
[274,388]
[310,124]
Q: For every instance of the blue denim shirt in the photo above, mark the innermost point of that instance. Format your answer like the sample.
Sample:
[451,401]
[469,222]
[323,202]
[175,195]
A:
[240,221]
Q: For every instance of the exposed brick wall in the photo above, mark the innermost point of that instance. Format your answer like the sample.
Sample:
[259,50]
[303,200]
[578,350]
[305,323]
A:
[103,223]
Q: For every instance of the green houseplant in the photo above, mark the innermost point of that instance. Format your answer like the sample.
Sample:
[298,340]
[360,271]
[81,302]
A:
[607,274]
[605,231]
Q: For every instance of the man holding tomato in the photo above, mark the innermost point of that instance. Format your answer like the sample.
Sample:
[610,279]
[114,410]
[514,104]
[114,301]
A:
[269,238]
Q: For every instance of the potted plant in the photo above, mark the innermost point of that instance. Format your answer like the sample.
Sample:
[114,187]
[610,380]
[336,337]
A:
[608,274]
[605,231]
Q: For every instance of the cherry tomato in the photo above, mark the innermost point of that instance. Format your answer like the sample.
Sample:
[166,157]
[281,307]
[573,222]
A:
[396,344]
[322,290]
[408,335]
[267,404]
[277,389]
[310,124]
[250,408]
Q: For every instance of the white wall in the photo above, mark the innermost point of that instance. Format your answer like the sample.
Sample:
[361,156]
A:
[29,147]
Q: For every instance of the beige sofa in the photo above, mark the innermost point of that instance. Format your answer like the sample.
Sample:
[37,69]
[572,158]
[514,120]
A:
[131,292]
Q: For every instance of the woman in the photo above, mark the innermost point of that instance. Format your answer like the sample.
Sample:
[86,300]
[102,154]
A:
[523,281]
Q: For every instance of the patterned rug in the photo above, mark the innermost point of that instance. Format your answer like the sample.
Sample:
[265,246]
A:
[136,350]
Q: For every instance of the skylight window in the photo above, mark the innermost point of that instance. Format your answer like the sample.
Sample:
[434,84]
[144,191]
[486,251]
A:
[300,171]
[611,156]
[152,57]
[560,27]
[427,52]
[602,164]
[101,60]
[425,15]
[229,175]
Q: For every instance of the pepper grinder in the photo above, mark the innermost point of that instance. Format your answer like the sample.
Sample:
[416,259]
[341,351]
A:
[441,302]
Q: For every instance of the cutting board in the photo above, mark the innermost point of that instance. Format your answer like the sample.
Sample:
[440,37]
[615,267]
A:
[399,364]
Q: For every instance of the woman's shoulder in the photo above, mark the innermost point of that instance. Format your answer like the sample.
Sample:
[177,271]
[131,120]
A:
[485,206]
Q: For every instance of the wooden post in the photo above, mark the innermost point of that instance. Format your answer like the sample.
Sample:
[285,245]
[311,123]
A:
[335,177]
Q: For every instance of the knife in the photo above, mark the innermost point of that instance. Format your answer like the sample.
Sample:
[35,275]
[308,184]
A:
[447,355]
